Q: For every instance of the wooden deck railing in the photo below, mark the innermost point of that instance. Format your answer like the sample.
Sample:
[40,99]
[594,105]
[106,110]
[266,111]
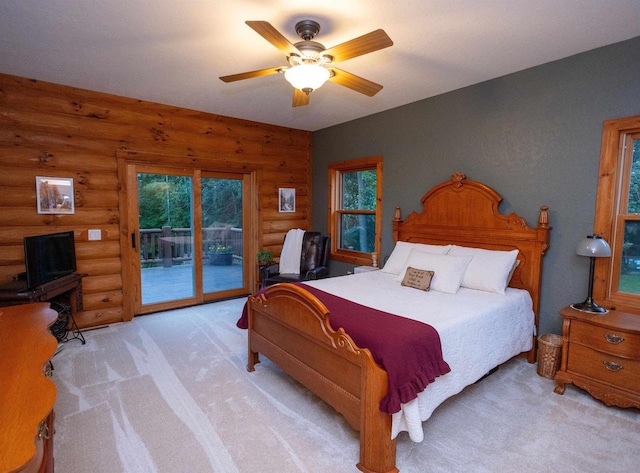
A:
[169,246]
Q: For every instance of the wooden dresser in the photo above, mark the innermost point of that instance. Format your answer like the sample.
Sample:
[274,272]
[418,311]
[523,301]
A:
[27,394]
[601,354]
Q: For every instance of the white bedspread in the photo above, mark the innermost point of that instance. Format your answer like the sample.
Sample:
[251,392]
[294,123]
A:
[478,330]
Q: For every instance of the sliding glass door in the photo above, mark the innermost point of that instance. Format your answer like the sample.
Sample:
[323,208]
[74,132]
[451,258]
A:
[223,235]
[165,209]
[189,237]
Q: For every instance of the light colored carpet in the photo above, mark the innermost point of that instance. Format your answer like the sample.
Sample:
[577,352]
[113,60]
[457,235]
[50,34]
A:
[169,392]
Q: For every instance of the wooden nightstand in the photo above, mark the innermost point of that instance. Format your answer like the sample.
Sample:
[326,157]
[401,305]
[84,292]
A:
[601,354]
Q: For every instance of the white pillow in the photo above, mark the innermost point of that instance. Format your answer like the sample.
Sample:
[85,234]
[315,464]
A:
[489,270]
[396,261]
[448,270]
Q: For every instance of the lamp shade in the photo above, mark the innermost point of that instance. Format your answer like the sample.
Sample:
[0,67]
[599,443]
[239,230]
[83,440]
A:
[307,77]
[594,246]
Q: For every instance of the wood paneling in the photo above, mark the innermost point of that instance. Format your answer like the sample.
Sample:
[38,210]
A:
[52,130]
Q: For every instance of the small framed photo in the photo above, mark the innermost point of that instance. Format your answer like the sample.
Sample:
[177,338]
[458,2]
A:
[286,199]
[55,195]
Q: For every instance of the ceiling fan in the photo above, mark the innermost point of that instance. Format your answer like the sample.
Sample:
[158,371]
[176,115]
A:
[311,64]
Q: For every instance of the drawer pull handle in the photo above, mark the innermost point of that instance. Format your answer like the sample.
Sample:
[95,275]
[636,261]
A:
[612,365]
[615,339]
[43,430]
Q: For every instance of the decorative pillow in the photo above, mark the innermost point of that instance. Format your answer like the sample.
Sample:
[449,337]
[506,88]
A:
[448,270]
[396,261]
[417,278]
[489,270]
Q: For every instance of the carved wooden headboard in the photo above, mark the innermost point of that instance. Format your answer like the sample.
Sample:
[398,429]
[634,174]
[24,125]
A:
[465,213]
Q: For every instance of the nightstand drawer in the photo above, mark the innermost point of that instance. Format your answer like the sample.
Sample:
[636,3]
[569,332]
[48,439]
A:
[609,340]
[601,354]
[611,369]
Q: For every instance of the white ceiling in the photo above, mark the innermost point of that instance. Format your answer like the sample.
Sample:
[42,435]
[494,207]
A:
[173,51]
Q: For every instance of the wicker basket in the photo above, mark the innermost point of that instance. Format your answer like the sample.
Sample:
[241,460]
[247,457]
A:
[549,349]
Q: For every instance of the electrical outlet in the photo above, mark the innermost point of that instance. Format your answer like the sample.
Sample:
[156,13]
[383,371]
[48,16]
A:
[95,235]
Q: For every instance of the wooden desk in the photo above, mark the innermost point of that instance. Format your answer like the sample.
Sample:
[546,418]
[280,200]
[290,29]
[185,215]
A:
[27,395]
[16,292]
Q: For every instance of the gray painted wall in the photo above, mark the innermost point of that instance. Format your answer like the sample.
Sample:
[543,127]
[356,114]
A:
[534,136]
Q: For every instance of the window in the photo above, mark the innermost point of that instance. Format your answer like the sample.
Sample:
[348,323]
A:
[355,196]
[617,280]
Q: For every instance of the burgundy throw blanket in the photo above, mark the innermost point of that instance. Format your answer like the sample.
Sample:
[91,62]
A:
[408,350]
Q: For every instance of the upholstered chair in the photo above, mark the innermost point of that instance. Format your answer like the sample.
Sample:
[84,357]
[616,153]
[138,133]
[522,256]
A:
[313,262]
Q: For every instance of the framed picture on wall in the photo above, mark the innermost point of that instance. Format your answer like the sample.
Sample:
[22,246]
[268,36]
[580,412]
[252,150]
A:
[286,199]
[54,195]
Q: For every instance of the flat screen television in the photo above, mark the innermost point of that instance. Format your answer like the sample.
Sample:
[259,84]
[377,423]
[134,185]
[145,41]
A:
[49,257]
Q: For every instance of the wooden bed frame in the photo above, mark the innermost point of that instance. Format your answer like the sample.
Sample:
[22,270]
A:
[291,327]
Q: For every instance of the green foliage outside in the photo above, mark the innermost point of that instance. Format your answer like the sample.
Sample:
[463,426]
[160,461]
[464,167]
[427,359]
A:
[221,202]
[631,246]
[634,184]
[166,201]
[630,283]
[358,193]
[630,265]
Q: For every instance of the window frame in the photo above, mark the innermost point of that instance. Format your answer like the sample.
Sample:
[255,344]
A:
[611,206]
[335,211]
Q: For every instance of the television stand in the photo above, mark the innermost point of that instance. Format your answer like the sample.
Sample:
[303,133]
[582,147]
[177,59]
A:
[64,294]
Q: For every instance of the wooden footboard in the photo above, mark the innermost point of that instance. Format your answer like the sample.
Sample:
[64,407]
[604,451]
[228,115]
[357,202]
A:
[291,327]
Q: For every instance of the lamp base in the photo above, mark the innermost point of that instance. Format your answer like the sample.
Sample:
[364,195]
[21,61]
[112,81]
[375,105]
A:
[589,306]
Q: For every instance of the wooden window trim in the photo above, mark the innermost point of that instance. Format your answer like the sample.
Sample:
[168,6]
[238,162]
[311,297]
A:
[335,170]
[612,176]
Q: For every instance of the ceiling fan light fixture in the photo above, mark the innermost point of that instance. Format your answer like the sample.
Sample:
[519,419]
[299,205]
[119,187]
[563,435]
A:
[307,77]
[311,64]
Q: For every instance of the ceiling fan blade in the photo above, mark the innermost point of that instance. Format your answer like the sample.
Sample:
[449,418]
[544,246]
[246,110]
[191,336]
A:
[364,44]
[300,98]
[268,32]
[354,82]
[250,75]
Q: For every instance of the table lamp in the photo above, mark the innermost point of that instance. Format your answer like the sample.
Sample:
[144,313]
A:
[594,247]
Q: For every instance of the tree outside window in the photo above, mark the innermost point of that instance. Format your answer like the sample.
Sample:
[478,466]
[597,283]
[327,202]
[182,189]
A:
[629,218]
[617,279]
[356,205]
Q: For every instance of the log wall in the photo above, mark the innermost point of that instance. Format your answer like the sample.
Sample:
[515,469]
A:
[58,131]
